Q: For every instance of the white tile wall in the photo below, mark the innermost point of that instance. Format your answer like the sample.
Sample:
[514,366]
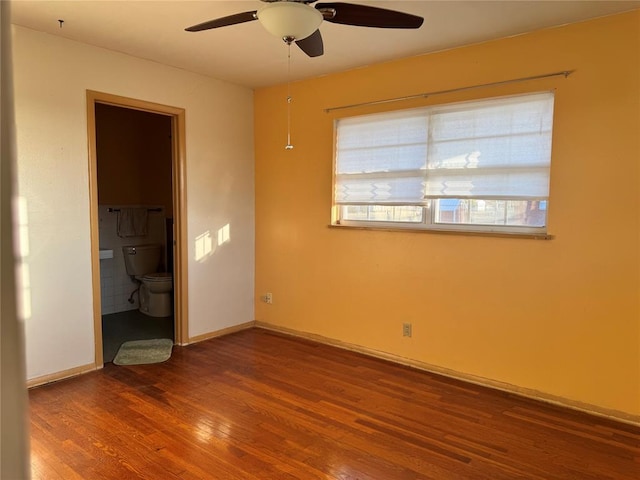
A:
[115,285]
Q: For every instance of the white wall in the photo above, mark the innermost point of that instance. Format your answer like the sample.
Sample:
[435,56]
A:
[51,78]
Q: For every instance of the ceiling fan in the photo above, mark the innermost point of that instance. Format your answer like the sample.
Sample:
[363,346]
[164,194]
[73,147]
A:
[297,21]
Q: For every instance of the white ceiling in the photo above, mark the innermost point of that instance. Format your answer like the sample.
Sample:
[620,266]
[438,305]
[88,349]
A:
[246,54]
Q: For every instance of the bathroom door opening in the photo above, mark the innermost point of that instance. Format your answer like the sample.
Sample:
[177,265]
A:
[175,258]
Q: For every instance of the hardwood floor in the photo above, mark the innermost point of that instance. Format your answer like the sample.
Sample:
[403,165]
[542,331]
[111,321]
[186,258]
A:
[258,405]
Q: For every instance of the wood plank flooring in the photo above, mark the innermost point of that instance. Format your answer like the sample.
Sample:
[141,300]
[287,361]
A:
[259,405]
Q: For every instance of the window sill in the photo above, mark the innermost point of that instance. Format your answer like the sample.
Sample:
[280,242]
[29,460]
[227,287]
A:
[468,233]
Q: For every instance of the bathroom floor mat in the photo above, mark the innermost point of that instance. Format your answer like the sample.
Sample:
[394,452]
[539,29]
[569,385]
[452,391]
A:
[140,352]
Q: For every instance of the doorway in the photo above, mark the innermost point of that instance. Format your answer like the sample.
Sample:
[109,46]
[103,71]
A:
[171,205]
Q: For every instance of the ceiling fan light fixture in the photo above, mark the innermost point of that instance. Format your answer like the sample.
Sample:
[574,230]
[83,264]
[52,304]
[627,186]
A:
[291,20]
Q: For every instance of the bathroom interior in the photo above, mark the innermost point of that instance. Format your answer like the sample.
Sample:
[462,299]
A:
[135,213]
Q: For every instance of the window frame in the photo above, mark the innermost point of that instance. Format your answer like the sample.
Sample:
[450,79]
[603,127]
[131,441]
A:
[428,222]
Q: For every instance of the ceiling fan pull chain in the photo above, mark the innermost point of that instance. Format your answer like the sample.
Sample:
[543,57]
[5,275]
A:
[288,146]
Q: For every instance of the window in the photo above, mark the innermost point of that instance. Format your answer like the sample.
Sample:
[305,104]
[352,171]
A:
[472,166]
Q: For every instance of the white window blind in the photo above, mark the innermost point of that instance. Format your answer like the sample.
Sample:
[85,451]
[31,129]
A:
[495,149]
[381,158]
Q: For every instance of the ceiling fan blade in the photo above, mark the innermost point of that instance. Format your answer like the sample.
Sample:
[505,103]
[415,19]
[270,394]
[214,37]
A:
[312,45]
[365,16]
[224,21]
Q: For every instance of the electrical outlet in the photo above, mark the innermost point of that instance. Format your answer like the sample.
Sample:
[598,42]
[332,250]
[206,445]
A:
[268,298]
[406,329]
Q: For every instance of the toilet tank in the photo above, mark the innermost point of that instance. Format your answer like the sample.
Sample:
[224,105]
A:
[141,259]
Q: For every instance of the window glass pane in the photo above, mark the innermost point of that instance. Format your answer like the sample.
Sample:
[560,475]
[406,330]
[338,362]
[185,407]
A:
[383,213]
[524,213]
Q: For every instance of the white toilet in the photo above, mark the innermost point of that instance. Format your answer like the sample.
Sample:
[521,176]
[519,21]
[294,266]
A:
[141,262]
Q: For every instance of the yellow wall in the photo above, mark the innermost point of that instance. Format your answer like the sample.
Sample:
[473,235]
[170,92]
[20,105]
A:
[559,317]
